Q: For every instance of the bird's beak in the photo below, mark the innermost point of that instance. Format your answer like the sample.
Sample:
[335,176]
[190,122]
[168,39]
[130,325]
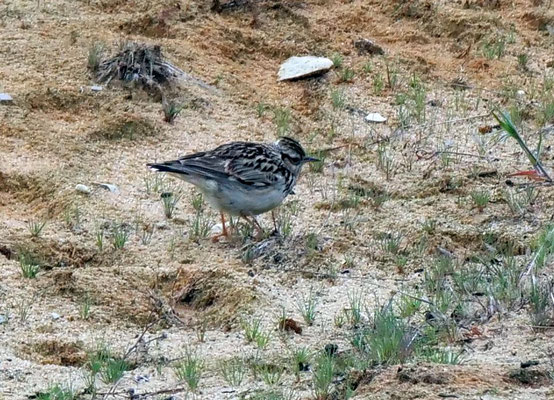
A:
[311,159]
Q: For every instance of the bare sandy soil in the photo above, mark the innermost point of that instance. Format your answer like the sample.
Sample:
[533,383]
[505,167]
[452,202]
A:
[182,292]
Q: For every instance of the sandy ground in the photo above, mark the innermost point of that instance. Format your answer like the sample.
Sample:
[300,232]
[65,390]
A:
[53,137]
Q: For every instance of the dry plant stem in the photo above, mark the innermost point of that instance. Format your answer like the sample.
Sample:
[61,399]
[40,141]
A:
[427,155]
[448,121]
[139,340]
[145,394]
[111,391]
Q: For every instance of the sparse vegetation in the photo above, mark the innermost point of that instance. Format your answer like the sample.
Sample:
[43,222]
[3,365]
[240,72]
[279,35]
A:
[282,118]
[57,392]
[190,369]
[323,374]
[119,237]
[102,363]
[481,199]
[171,109]
[95,55]
[232,370]
[337,59]
[36,227]
[413,245]
[28,266]
[495,46]
[306,305]
[347,74]
[169,202]
[85,307]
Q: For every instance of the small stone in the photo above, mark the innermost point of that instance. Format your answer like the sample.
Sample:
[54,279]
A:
[520,94]
[4,97]
[109,186]
[83,189]
[303,67]
[142,378]
[96,88]
[529,363]
[550,63]
[367,46]
[161,225]
[3,319]
[55,316]
[375,117]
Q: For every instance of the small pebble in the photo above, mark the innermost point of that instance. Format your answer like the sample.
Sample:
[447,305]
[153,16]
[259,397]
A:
[142,378]
[528,364]
[367,46]
[83,189]
[109,186]
[4,97]
[3,319]
[161,225]
[375,117]
[55,316]
[96,88]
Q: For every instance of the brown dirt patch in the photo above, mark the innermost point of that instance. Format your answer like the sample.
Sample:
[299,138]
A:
[52,351]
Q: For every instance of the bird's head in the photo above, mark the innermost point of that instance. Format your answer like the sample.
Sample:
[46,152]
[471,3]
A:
[292,153]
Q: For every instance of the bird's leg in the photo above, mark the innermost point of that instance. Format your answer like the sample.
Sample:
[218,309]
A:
[224,232]
[274,221]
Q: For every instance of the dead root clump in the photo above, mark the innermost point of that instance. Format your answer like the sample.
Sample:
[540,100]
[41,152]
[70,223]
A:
[214,296]
[52,351]
[141,65]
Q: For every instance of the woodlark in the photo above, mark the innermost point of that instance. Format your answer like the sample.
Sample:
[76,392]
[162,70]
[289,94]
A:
[242,178]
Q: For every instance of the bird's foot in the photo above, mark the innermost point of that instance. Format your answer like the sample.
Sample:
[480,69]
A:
[224,233]
[216,238]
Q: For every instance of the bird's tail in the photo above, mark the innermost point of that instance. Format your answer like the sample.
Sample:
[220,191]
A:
[169,166]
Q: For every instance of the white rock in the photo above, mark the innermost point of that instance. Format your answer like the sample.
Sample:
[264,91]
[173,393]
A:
[5,97]
[217,229]
[3,319]
[375,117]
[161,225]
[96,88]
[55,316]
[302,67]
[108,186]
[83,189]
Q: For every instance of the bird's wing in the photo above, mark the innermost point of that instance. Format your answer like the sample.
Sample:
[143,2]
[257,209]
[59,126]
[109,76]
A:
[258,171]
[244,162]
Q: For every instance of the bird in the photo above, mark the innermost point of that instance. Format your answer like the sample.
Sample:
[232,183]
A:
[242,179]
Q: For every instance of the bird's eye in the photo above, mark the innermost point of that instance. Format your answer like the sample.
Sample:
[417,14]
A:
[294,159]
